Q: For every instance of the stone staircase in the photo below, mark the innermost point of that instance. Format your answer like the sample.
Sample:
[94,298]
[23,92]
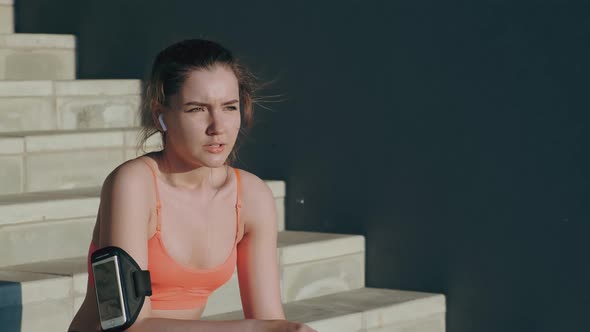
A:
[60,137]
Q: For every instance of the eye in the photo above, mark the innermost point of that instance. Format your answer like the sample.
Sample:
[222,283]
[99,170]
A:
[233,108]
[196,109]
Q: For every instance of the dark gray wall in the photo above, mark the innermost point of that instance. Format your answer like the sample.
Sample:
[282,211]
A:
[453,135]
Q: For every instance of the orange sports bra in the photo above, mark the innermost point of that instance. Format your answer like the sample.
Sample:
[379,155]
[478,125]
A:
[175,286]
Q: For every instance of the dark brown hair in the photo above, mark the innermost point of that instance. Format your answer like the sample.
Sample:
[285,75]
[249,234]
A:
[169,72]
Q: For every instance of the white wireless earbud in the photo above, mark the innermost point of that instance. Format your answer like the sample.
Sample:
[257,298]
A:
[162,122]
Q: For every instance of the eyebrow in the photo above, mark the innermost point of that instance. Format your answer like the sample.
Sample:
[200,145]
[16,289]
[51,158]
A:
[205,104]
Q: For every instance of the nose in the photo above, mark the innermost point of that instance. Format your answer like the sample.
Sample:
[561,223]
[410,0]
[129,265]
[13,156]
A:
[215,123]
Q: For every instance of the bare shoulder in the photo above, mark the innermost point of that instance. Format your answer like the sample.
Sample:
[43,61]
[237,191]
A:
[125,197]
[253,185]
[130,176]
[257,200]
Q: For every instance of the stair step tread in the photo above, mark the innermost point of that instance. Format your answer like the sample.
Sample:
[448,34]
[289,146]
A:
[68,132]
[37,40]
[21,287]
[49,196]
[45,141]
[292,247]
[78,87]
[369,307]
[299,246]
[57,267]
[286,240]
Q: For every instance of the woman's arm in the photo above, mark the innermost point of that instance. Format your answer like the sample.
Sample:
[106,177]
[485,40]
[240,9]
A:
[125,206]
[258,268]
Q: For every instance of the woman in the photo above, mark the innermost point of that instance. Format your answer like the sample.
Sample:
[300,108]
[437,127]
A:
[183,212]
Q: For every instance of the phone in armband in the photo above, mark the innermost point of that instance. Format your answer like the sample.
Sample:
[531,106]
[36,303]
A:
[110,292]
[121,287]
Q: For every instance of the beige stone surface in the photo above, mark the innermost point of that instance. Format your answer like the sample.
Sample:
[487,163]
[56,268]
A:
[132,136]
[78,300]
[37,40]
[226,298]
[69,267]
[386,308]
[107,87]
[42,241]
[300,246]
[37,64]
[320,314]
[36,287]
[11,145]
[58,195]
[414,305]
[327,276]
[348,311]
[345,323]
[11,173]
[81,278]
[23,211]
[277,187]
[67,159]
[73,169]
[280,207]
[74,141]
[97,112]
[52,316]
[89,104]
[47,142]
[27,113]
[73,269]
[6,18]
[44,300]
[26,88]
[41,64]
[132,153]
[433,323]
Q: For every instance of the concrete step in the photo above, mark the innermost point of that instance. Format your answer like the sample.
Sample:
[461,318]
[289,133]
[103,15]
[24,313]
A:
[66,159]
[6,16]
[365,309]
[25,56]
[35,302]
[68,105]
[310,265]
[34,227]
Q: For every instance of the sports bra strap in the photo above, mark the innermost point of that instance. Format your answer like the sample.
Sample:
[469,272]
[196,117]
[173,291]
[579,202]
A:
[238,202]
[158,204]
[238,199]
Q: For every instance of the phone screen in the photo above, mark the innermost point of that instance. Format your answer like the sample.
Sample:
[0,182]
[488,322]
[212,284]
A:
[108,290]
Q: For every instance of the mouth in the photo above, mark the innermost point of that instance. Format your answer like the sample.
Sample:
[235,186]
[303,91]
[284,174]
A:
[215,148]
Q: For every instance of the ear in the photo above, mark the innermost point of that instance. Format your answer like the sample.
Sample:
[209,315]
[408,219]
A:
[156,110]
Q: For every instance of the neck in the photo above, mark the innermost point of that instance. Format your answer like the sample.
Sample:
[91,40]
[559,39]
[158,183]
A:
[184,174]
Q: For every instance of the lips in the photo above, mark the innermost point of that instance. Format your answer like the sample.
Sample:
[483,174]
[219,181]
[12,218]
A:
[215,148]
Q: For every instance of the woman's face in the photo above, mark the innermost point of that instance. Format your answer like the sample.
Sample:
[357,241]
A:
[205,111]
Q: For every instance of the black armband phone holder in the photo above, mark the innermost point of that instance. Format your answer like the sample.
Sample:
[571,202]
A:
[135,283]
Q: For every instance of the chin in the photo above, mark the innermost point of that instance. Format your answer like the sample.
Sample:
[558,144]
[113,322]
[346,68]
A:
[212,161]
[216,164]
